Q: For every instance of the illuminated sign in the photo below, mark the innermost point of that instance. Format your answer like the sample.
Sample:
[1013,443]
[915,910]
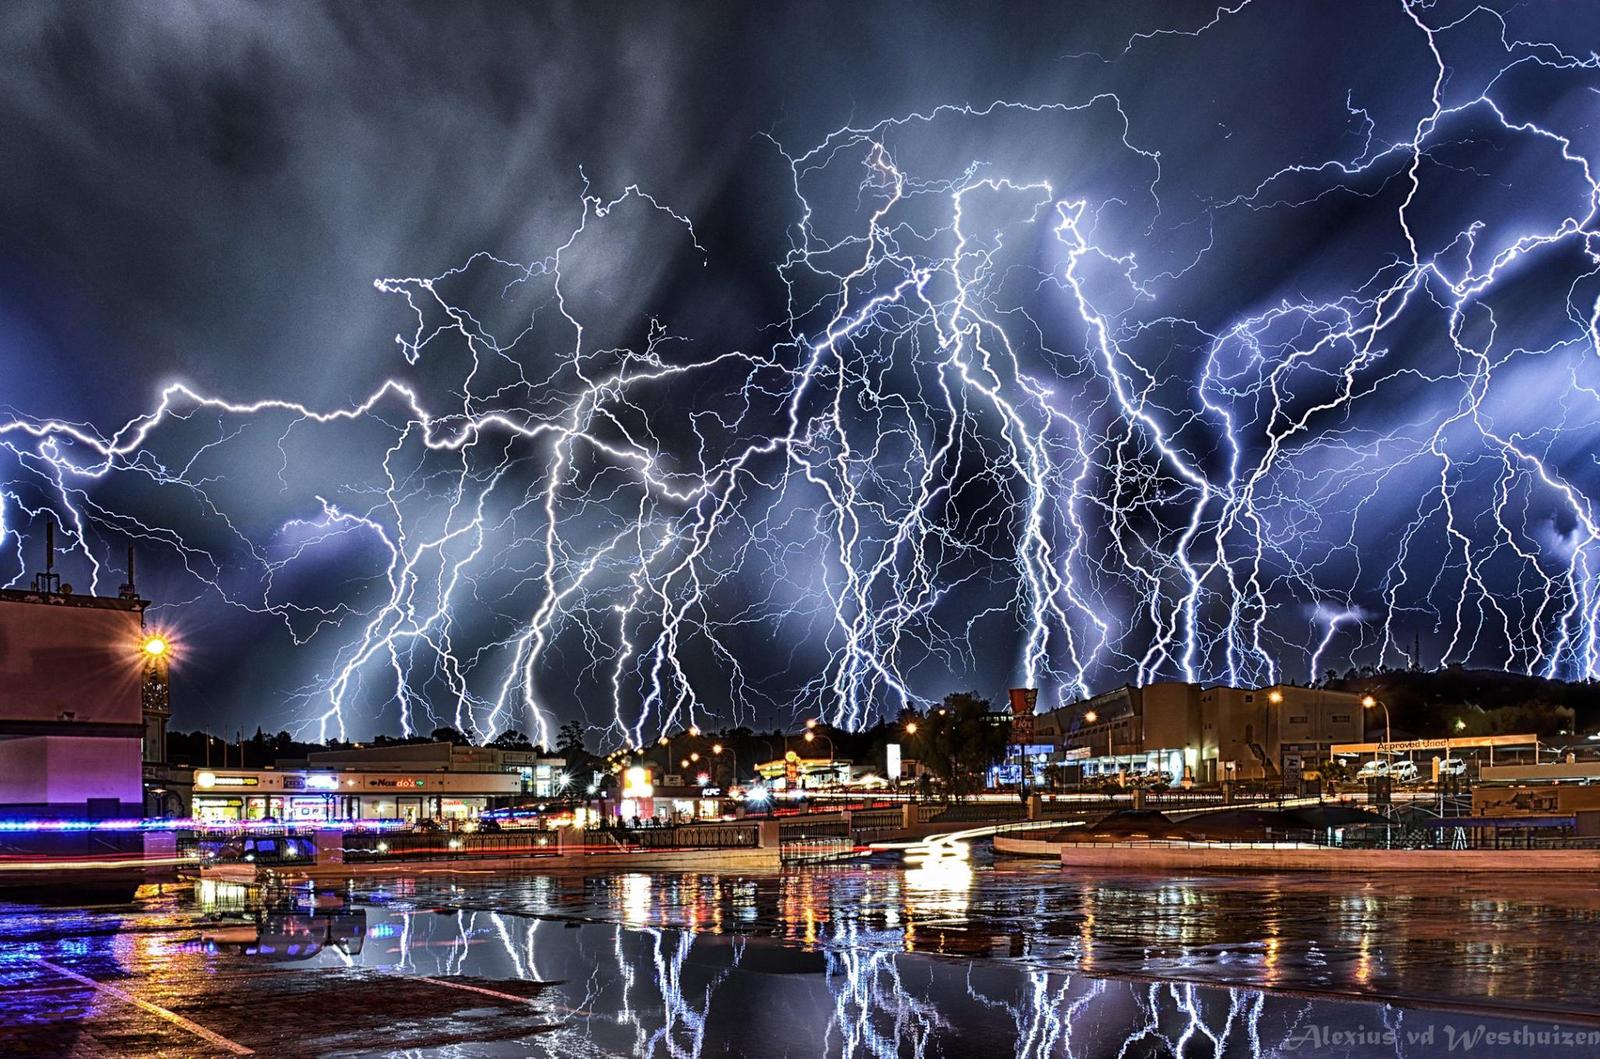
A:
[636,783]
[408,783]
[1024,700]
[322,782]
[211,779]
[892,761]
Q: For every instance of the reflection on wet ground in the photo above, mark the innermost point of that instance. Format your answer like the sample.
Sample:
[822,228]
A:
[1007,958]
[1520,943]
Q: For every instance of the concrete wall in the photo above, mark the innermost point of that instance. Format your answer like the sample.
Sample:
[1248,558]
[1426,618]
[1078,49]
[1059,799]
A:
[62,661]
[1202,857]
[1171,715]
[66,771]
[1535,800]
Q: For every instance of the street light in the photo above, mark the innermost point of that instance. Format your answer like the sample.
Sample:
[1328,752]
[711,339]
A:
[811,737]
[156,646]
[716,751]
[1275,696]
[911,728]
[1090,717]
[1369,702]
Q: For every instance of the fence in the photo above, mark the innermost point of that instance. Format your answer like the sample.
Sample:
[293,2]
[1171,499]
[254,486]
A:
[691,836]
[364,847]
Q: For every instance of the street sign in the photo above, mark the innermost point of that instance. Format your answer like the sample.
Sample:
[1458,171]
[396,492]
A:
[1022,728]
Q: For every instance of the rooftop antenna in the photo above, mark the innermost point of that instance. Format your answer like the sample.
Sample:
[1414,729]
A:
[128,591]
[48,582]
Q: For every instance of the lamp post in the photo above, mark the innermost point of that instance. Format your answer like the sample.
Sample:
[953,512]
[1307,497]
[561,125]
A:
[811,737]
[1090,718]
[1368,702]
[716,751]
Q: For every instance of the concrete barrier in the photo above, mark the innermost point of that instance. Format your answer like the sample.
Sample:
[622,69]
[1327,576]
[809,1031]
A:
[1206,856]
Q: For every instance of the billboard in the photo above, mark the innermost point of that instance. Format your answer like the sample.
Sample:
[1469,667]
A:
[70,661]
[1024,701]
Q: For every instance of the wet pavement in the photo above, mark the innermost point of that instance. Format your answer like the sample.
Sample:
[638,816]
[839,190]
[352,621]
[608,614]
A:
[955,959]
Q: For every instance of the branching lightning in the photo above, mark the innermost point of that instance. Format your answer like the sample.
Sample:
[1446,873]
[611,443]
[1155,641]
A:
[978,444]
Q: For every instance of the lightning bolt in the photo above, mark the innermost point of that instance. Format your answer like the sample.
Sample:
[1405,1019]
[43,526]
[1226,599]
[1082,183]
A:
[992,423]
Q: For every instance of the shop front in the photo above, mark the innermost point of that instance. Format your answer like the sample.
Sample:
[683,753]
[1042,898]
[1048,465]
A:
[308,797]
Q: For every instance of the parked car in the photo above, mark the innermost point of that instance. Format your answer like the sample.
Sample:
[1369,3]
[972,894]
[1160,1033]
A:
[1404,772]
[1373,769]
[1453,766]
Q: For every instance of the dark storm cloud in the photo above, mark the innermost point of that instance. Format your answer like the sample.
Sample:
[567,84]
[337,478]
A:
[206,192]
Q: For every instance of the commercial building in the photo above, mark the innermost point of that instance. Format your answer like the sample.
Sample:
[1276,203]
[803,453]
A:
[415,781]
[1202,734]
[72,708]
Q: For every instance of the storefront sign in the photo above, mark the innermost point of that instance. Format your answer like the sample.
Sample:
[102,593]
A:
[211,779]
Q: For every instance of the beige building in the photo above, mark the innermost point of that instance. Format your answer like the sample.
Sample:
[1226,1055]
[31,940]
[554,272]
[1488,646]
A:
[1206,734]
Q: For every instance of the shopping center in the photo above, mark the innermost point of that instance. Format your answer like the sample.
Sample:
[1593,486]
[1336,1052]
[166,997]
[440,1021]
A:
[419,781]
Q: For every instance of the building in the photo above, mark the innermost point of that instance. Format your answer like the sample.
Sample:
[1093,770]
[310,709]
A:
[1202,734]
[73,670]
[405,781]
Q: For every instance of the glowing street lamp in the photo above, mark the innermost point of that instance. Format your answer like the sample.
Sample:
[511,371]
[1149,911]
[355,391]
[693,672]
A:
[1369,702]
[1275,696]
[156,646]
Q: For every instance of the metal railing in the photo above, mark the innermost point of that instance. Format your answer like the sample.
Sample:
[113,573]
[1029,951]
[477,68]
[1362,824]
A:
[366,847]
[691,836]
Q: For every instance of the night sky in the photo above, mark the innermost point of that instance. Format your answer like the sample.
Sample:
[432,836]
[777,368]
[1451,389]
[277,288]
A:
[753,364]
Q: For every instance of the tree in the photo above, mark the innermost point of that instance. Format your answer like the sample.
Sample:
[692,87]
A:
[510,739]
[448,734]
[569,740]
[959,739]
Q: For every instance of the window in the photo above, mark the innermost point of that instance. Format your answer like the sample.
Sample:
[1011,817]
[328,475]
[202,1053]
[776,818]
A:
[1249,698]
[1340,718]
[1299,720]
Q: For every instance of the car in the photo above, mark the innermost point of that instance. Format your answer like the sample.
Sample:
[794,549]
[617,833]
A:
[1452,766]
[1373,769]
[1404,772]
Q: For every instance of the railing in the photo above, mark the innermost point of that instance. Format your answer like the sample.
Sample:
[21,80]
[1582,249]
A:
[867,821]
[366,847]
[798,829]
[979,812]
[691,836]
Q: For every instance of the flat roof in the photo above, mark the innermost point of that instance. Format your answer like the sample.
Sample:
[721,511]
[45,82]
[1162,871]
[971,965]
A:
[72,599]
